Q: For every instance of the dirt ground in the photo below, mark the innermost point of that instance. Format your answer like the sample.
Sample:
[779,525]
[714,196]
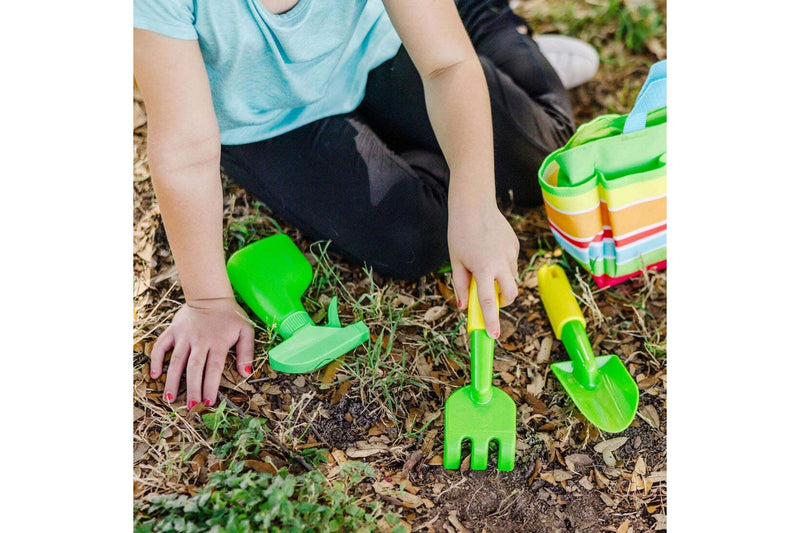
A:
[569,476]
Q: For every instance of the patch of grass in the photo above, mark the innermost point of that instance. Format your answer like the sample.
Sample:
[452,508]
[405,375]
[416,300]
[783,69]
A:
[630,23]
[234,437]
[444,343]
[245,501]
[247,224]
[635,26]
[381,375]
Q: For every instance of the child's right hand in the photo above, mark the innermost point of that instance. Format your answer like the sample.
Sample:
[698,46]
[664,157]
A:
[200,336]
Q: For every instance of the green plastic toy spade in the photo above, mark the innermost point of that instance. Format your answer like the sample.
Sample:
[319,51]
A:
[479,412]
[601,387]
[271,275]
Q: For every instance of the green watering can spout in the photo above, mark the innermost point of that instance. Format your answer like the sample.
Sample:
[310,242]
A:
[271,275]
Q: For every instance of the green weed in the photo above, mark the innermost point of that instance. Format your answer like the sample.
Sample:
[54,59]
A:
[242,501]
[234,437]
[635,27]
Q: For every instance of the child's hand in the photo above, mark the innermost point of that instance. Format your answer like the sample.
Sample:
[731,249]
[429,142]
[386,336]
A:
[483,244]
[200,336]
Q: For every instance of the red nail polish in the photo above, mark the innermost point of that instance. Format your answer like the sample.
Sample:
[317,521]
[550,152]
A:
[192,404]
[459,304]
[168,397]
[153,373]
[496,334]
[248,369]
[207,402]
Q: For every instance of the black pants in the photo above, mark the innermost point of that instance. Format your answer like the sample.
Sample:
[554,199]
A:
[374,181]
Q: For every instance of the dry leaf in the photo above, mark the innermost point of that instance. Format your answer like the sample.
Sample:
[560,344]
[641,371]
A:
[640,467]
[232,380]
[273,389]
[544,352]
[610,445]
[623,527]
[602,481]
[341,391]
[404,300]
[608,458]
[537,405]
[406,499]
[139,450]
[649,414]
[536,386]
[556,476]
[356,453]
[261,466]
[330,371]
[608,500]
[507,328]
[446,292]
[435,313]
[577,460]
[452,517]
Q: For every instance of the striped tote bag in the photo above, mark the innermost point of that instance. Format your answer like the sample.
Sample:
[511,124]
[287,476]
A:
[605,191]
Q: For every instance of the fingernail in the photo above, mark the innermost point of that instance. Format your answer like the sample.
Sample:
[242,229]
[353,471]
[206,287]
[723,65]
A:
[459,304]
[153,373]
[168,397]
[496,335]
[248,369]
[207,402]
[192,404]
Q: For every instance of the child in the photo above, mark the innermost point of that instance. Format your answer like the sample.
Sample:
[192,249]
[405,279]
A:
[389,128]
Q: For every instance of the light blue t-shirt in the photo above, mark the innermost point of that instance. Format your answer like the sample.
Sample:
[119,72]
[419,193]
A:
[271,73]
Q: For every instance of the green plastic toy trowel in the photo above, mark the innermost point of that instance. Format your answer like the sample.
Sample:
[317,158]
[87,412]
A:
[480,411]
[601,387]
[271,275]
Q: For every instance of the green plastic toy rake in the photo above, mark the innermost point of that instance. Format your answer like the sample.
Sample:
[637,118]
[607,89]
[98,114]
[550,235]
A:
[480,411]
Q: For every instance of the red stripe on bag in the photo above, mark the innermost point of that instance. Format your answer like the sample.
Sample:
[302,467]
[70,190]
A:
[637,236]
[605,280]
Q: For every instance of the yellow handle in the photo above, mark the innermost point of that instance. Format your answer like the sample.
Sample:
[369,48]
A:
[559,302]
[474,313]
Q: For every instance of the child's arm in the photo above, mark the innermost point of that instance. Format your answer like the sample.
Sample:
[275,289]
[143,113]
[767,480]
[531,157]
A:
[481,241]
[183,148]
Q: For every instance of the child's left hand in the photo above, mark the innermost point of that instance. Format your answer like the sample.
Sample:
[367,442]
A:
[483,244]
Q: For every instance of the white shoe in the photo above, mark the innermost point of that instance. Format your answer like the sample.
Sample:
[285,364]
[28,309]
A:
[575,61]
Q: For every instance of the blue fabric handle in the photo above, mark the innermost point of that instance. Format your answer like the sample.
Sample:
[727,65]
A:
[652,96]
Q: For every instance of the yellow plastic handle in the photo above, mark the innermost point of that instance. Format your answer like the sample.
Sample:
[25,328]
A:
[559,302]
[474,313]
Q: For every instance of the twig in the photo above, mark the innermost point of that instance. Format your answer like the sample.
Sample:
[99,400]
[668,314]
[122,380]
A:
[286,451]
[314,430]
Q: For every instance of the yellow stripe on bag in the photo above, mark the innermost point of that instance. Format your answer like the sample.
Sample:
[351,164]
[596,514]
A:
[615,198]
[636,192]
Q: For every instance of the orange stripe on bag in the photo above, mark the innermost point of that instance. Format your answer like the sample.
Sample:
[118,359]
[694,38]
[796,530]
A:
[637,216]
[581,227]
